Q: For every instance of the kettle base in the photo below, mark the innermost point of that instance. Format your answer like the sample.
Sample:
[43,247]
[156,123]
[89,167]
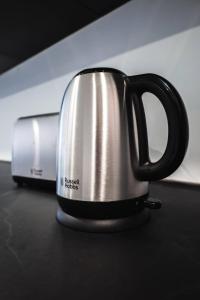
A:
[104,225]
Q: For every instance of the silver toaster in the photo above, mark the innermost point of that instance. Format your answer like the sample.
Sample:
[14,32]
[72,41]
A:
[34,150]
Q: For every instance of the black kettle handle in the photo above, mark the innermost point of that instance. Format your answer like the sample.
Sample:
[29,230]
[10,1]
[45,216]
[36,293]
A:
[177,126]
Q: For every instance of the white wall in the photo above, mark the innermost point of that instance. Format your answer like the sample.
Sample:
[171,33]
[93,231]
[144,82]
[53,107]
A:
[142,36]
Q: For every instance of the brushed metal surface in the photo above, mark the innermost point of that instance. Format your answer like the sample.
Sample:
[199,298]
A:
[34,147]
[95,153]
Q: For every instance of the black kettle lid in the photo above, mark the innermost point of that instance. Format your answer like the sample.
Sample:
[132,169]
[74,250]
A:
[100,69]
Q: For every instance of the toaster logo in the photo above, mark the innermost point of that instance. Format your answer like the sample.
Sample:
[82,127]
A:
[72,183]
[37,172]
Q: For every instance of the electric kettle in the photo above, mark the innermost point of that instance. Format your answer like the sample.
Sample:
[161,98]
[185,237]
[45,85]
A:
[103,165]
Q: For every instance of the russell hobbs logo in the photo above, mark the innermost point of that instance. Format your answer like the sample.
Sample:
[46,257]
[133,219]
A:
[37,172]
[71,183]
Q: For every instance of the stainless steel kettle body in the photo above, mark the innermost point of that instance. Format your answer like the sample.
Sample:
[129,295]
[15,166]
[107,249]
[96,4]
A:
[103,166]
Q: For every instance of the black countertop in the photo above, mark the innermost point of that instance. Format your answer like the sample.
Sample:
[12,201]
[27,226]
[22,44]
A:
[40,259]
